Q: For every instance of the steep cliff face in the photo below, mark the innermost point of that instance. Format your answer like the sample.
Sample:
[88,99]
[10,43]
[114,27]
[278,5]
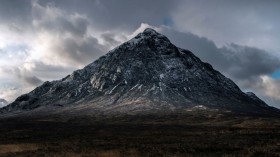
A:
[147,73]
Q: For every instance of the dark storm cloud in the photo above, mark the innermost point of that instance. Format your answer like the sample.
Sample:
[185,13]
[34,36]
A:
[55,20]
[49,71]
[73,33]
[32,80]
[15,11]
[249,67]
[124,14]
[200,46]
[3,102]
[251,22]
[110,39]
[245,62]
[236,61]
[106,15]
[46,72]
[81,53]
[25,76]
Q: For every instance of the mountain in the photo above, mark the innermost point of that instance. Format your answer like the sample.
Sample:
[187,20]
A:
[146,74]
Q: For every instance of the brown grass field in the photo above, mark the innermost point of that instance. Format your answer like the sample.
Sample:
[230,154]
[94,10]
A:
[184,135]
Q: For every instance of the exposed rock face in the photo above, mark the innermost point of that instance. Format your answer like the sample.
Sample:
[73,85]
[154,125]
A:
[147,73]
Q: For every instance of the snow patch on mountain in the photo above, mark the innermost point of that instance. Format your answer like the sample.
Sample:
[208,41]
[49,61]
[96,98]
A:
[147,73]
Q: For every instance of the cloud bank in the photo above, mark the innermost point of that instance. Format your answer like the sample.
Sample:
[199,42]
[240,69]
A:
[46,39]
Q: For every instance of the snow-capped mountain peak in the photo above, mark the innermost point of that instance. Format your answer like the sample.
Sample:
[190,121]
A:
[146,73]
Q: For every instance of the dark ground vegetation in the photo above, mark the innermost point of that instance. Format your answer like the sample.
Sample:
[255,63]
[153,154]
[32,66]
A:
[177,135]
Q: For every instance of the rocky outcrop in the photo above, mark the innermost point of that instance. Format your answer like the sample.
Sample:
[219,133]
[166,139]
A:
[147,73]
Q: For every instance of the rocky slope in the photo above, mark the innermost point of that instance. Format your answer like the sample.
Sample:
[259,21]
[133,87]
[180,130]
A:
[147,73]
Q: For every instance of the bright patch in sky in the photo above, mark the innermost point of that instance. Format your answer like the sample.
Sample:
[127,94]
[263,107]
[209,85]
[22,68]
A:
[276,74]
[46,40]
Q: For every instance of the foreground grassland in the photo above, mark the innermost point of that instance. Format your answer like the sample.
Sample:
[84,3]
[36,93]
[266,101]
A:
[172,135]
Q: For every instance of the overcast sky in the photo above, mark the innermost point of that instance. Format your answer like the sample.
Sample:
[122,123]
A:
[46,39]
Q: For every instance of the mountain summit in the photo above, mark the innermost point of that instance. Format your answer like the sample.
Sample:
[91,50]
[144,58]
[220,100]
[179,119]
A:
[146,73]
